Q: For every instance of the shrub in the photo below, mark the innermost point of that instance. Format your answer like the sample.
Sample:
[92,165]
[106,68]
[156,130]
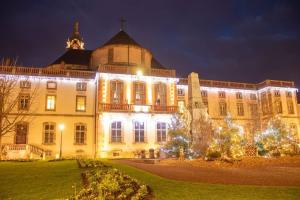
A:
[104,182]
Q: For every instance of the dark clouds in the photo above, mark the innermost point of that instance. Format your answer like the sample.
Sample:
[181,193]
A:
[226,40]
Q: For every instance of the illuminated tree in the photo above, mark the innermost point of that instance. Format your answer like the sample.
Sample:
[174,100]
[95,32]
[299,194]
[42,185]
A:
[228,142]
[10,101]
[179,135]
[202,137]
[277,139]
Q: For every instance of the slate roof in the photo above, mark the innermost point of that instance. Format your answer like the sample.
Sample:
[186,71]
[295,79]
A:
[122,38]
[75,57]
[156,64]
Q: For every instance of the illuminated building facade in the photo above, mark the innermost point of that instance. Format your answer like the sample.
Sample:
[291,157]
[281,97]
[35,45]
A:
[117,101]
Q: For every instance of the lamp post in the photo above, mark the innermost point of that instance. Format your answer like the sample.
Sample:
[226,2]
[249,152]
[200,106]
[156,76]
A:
[61,128]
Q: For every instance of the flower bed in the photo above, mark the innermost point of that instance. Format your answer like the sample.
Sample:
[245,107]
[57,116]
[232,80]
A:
[104,182]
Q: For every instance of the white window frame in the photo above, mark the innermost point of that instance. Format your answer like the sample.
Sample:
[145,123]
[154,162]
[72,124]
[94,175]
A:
[160,131]
[114,137]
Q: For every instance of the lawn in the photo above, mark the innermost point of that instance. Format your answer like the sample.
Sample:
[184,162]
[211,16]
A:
[165,189]
[38,180]
[54,180]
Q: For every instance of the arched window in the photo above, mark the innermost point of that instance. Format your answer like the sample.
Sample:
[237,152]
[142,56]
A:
[49,132]
[80,133]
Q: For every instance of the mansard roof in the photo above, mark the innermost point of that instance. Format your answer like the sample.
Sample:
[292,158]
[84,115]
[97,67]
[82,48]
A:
[75,57]
[122,38]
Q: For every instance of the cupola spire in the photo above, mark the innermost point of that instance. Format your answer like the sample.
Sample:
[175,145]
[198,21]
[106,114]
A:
[75,41]
[122,24]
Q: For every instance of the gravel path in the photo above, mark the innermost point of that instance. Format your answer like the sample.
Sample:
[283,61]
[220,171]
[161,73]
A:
[270,174]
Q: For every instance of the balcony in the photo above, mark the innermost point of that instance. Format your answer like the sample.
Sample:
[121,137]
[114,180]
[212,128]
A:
[106,107]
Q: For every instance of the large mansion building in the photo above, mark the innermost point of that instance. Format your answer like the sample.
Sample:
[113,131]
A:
[117,100]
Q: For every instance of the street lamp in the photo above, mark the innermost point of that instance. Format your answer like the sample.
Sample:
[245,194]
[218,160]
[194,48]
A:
[61,128]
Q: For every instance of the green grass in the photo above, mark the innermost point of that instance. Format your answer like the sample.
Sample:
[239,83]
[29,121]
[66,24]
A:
[173,190]
[38,180]
[54,180]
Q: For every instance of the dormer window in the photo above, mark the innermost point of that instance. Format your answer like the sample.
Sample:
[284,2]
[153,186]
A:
[204,93]
[239,95]
[25,84]
[51,85]
[277,93]
[289,94]
[180,92]
[81,86]
[222,94]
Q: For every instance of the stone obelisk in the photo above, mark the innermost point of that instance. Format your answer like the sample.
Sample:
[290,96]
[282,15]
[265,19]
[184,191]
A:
[195,105]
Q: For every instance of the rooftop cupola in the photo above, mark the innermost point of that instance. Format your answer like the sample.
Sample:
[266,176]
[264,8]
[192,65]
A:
[75,41]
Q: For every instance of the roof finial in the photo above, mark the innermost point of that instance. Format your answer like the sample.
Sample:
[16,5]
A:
[76,28]
[122,24]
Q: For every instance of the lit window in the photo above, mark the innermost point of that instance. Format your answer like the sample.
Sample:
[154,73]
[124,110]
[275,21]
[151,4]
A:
[290,107]
[278,106]
[51,85]
[116,131]
[139,93]
[160,94]
[80,133]
[277,93]
[239,95]
[81,86]
[24,100]
[116,92]
[139,131]
[253,96]
[222,94]
[180,92]
[223,108]
[289,94]
[204,93]
[49,133]
[161,131]
[80,103]
[240,109]
[25,84]
[50,102]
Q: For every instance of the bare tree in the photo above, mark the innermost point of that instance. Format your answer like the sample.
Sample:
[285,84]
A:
[14,106]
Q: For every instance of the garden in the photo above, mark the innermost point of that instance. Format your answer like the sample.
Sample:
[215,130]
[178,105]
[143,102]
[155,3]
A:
[107,179]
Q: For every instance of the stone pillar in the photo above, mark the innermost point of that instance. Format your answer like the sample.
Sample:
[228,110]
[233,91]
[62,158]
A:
[195,106]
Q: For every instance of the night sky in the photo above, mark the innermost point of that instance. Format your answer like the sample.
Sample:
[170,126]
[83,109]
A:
[238,40]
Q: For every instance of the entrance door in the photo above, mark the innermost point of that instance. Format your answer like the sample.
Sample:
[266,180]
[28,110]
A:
[21,133]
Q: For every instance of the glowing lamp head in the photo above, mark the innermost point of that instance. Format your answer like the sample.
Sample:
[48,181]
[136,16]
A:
[139,73]
[61,127]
